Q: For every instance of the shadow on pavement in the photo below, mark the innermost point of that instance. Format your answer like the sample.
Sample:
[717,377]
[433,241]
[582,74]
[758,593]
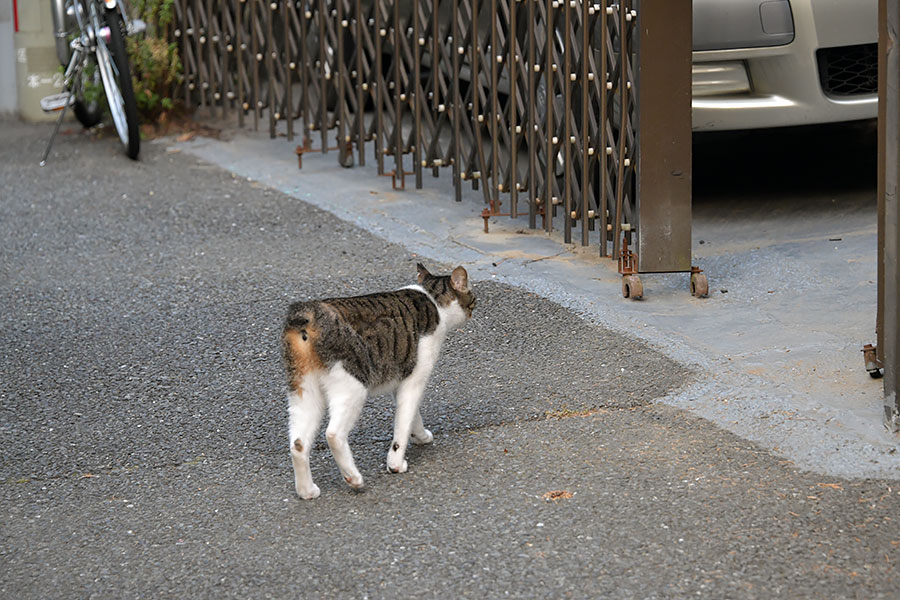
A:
[792,160]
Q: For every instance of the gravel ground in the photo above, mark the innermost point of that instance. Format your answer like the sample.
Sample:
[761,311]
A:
[143,424]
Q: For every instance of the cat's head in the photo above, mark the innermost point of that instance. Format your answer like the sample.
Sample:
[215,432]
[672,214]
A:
[449,289]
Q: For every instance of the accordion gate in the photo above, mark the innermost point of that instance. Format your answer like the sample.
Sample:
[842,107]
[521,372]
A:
[576,114]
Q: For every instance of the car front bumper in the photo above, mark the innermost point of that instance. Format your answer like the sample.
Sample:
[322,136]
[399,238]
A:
[780,85]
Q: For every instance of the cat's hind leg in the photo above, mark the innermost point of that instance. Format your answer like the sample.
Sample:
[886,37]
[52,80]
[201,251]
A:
[305,408]
[305,401]
[346,396]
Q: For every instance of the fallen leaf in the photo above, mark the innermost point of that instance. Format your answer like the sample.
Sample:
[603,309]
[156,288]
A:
[557,495]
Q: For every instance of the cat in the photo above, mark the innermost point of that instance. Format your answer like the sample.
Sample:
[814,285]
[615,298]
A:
[339,350]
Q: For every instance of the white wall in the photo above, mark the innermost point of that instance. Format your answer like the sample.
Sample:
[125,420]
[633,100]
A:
[8,102]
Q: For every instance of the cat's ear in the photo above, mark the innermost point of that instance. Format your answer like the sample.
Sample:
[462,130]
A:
[459,279]
[423,272]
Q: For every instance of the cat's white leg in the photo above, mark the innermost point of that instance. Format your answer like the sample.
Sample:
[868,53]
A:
[407,419]
[409,394]
[346,396]
[420,435]
[305,409]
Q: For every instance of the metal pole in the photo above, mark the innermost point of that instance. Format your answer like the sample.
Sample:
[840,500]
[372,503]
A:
[664,135]
[531,119]
[889,205]
[458,113]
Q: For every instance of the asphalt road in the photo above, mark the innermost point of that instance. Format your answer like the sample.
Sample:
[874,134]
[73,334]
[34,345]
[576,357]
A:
[143,423]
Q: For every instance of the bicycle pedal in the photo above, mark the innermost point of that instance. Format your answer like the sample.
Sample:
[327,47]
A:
[55,102]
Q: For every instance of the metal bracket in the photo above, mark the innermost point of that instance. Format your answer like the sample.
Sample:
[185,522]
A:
[303,149]
[307,147]
[487,214]
[393,176]
[627,259]
[632,287]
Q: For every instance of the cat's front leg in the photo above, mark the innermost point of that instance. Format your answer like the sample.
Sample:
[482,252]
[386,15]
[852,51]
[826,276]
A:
[409,394]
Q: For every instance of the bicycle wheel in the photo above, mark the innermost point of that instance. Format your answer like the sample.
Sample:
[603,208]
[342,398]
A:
[116,74]
[88,107]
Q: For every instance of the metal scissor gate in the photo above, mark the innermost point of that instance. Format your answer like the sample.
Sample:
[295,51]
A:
[574,113]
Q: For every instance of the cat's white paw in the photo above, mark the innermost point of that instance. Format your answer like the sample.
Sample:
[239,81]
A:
[309,494]
[394,467]
[427,438]
[354,481]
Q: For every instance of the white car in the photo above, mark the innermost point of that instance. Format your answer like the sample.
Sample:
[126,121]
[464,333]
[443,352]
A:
[772,63]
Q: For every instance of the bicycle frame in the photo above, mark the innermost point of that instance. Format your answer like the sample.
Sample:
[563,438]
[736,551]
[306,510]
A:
[66,13]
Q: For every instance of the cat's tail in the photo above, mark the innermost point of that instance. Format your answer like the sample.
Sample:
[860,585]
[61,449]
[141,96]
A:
[297,322]
[299,342]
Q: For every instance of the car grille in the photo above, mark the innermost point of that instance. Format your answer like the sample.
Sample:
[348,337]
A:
[849,70]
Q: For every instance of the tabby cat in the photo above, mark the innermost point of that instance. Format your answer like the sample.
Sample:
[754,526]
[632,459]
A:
[339,350]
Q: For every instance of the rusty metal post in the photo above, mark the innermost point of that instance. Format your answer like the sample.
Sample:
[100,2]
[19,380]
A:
[345,149]
[181,20]
[269,49]
[304,66]
[551,128]
[196,33]
[603,162]
[257,57]
[567,149]
[287,10]
[418,96]
[397,27]
[585,131]
[361,84]
[889,206]
[624,15]
[457,50]
[240,52]
[514,58]
[380,90]
[531,118]
[477,116]
[207,40]
[663,175]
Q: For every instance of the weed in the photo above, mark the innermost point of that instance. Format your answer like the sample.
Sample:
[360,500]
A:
[156,65]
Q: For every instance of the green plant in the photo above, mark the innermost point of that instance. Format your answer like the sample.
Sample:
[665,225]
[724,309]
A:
[92,89]
[155,63]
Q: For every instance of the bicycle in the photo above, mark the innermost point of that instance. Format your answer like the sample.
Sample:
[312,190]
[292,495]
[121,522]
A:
[90,45]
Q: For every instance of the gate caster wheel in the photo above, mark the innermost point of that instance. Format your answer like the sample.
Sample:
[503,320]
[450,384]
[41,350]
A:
[347,160]
[873,365]
[632,287]
[699,285]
